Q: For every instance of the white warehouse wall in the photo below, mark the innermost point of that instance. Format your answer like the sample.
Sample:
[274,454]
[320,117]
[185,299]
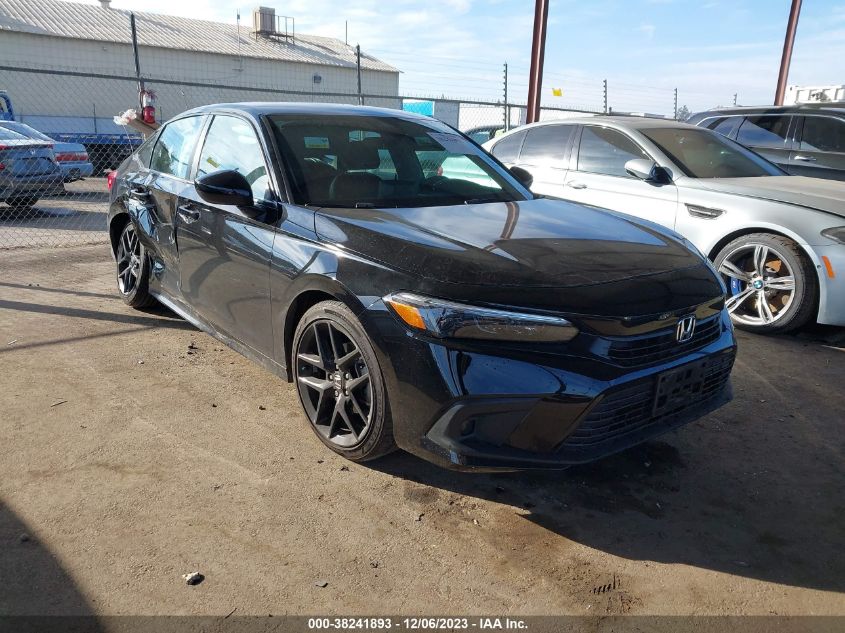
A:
[36,94]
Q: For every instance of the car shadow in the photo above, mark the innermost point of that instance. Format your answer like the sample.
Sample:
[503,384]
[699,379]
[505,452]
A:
[754,489]
[36,583]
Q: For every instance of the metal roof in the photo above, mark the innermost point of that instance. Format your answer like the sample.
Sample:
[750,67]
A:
[92,22]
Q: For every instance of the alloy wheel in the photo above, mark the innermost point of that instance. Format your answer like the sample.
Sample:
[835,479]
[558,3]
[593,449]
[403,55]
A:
[334,384]
[761,284]
[128,260]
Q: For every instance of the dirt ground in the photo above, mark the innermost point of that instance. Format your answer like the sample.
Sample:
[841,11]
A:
[128,458]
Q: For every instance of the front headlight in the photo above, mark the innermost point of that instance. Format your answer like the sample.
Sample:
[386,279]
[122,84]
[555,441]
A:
[837,234]
[446,319]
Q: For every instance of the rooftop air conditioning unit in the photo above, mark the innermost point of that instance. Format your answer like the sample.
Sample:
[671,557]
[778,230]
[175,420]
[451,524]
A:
[264,20]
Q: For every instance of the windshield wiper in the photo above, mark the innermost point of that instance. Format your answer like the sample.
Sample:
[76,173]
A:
[485,199]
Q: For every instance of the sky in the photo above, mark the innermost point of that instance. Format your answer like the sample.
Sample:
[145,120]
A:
[710,50]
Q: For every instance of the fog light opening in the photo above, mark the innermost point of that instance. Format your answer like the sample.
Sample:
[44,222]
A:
[468,427]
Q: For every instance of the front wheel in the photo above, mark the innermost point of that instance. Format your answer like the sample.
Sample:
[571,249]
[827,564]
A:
[340,384]
[772,285]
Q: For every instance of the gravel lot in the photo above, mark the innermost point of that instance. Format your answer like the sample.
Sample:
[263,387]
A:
[128,458]
[75,218]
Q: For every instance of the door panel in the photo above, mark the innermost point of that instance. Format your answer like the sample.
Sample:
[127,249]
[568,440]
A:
[768,135]
[545,155]
[820,150]
[601,180]
[224,251]
[225,267]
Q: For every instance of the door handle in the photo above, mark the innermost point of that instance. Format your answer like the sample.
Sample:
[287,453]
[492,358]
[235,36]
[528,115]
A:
[806,159]
[577,185]
[187,213]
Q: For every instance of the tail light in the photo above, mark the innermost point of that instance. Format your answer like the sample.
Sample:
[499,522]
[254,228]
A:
[110,179]
[66,157]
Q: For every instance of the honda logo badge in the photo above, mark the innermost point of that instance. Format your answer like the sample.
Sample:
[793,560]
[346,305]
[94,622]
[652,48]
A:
[685,329]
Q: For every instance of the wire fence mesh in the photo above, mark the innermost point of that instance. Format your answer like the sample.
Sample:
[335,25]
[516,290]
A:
[59,138]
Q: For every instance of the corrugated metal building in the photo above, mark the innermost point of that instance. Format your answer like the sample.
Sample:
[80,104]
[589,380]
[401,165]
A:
[80,62]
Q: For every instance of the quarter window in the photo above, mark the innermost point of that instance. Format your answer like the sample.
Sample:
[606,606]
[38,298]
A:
[605,151]
[507,149]
[231,143]
[547,145]
[764,131]
[823,134]
[725,125]
[175,147]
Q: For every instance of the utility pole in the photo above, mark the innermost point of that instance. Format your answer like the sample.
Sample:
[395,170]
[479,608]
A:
[676,104]
[358,58]
[604,91]
[786,58]
[735,98]
[137,60]
[507,107]
[538,51]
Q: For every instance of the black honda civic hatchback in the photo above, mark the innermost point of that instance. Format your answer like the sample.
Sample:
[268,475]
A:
[413,288]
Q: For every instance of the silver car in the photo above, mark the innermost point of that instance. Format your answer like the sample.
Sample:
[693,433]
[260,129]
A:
[777,240]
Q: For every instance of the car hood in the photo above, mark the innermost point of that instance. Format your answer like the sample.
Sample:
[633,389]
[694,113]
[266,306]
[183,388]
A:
[815,193]
[602,261]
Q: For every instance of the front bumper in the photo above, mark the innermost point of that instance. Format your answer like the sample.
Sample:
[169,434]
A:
[831,288]
[488,409]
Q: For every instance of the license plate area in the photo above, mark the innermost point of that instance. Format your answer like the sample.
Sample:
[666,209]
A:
[676,388]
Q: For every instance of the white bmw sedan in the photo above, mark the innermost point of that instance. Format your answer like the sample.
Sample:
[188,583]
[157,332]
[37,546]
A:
[777,240]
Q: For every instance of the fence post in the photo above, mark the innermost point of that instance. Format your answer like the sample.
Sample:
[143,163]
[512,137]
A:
[676,104]
[507,114]
[358,60]
[604,90]
[137,60]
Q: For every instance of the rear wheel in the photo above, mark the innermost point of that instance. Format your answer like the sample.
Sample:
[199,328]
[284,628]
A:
[133,269]
[340,384]
[771,283]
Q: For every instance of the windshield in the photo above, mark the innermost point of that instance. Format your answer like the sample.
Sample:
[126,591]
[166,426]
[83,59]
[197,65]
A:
[383,161]
[25,130]
[706,154]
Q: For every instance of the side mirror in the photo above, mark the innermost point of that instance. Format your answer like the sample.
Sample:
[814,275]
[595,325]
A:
[523,176]
[226,186]
[647,170]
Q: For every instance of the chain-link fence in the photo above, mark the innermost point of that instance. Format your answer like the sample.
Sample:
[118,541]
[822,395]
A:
[59,138]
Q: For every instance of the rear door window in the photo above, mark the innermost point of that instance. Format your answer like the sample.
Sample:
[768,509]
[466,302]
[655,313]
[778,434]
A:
[507,150]
[547,145]
[605,151]
[764,131]
[175,147]
[823,134]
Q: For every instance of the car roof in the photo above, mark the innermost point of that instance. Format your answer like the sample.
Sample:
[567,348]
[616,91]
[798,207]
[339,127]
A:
[266,108]
[836,109]
[621,122]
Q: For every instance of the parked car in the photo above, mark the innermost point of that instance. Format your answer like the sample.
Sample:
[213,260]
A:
[28,170]
[803,140]
[777,240]
[467,322]
[484,133]
[72,157]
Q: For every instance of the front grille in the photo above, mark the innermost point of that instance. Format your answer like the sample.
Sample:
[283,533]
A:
[631,407]
[663,345]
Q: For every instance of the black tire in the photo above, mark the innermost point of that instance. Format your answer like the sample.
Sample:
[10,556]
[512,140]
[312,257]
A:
[351,418]
[22,204]
[770,261]
[133,269]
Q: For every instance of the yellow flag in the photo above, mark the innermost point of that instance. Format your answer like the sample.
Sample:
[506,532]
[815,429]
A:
[557,92]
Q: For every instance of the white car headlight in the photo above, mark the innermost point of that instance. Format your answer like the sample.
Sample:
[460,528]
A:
[446,319]
[837,234]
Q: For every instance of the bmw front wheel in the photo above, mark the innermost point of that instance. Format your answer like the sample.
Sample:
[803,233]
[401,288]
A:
[772,286]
